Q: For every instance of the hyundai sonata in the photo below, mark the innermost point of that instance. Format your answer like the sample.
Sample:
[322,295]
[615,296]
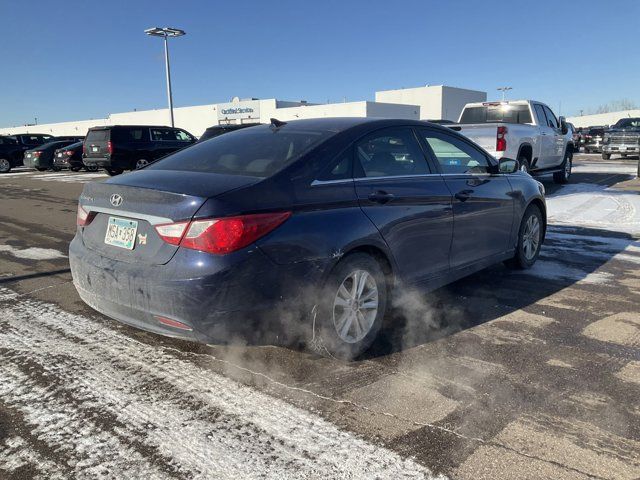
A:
[316,224]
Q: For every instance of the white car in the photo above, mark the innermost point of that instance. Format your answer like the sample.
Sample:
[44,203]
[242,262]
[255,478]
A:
[525,130]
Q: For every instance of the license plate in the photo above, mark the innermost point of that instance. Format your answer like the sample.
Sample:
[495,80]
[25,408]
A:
[94,149]
[121,232]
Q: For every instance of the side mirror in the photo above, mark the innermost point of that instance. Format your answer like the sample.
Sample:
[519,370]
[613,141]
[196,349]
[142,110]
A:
[563,125]
[508,165]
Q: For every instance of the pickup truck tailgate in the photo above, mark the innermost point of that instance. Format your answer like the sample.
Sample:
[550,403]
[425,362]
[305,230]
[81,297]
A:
[483,134]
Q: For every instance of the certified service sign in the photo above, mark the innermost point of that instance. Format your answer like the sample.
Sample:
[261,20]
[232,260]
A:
[237,110]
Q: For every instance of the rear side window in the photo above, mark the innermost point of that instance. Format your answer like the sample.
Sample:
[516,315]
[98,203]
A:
[257,152]
[454,155]
[391,152]
[127,135]
[33,139]
[97,136]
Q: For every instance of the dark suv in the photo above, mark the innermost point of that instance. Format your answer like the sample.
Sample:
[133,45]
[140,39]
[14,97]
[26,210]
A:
[129,147]
[218,130]
[12,148]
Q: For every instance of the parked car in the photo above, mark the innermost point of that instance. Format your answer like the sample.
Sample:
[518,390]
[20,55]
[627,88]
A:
[70,157]
[218,130]
[523,129]
[575,137]
[12,148]
[622,138]
[442,122]
[41,157]
[130,147]
[73,138]
[592,139]
[317,223]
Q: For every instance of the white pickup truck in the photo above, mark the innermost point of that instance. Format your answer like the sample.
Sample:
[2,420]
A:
[525,130]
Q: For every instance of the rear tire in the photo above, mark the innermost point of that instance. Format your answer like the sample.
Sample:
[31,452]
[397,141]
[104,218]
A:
[74,169]
[141,163]
[41,169]
[352,306]
[564,175]
[5,165]
[113,171]
[92,168]
[606,156]
[525,166]
[530,236]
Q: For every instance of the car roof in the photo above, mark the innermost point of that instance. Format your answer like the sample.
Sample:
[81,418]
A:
[108,127]
[339,124]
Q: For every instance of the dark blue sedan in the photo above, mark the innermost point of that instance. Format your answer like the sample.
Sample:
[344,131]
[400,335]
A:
[310,227]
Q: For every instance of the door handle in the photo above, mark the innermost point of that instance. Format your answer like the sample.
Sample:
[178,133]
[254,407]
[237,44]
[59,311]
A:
[381,197]
[463,195]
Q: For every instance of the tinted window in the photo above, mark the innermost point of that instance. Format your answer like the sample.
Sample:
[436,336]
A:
[542,118]
[128,134]
[342,169]
[97,136]
[551,118]
[258,152]
[627,123]
[33,139]
[497,114]
[7,141]
[455,155]
[391,152]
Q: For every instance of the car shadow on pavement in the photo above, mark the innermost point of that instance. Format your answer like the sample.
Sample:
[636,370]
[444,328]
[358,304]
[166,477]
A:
[29,276]
[569,255]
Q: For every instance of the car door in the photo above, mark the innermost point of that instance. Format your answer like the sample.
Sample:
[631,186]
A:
[547,156]
[408,203]
[483,205]
[558,137]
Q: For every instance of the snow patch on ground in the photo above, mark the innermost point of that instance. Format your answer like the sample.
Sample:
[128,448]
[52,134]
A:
[112,407]
[595,206]
[33,253]
[558,271]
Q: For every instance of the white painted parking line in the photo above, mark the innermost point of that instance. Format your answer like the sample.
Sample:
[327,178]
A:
[159,412]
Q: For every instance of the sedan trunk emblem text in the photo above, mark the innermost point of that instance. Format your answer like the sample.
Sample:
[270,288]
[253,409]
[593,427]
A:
[116,200]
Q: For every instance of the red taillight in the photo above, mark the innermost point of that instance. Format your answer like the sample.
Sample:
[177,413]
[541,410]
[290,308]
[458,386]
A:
[84,148]
[501,140]
[109,147]
[68,153]
[84,218]
[36,154]
[172,232]
[221,235]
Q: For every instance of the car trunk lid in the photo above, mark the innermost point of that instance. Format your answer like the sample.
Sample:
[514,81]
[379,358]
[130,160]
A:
[138,202]
[97,143]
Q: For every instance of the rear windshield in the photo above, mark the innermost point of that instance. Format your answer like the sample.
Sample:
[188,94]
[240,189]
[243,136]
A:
[497,114]
[97,136]
[255,152]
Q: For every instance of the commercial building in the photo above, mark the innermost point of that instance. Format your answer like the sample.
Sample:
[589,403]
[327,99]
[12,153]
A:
[438,102]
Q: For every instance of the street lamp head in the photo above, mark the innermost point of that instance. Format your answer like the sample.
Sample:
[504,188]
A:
[164,32]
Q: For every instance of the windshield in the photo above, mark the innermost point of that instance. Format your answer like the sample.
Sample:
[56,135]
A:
[256,152]
[497,114]
[628,123]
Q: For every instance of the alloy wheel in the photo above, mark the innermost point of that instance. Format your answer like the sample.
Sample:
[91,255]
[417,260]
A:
[355,306]
[5,165]
[141,163]
[531,237]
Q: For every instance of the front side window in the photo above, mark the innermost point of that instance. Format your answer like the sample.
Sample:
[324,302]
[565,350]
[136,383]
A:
[551,118]
[454,155]
[391,152]
[182,136]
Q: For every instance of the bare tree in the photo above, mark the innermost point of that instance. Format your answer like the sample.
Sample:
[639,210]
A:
[615,106]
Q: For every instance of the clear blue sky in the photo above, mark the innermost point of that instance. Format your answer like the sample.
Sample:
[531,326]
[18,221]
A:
[71,60]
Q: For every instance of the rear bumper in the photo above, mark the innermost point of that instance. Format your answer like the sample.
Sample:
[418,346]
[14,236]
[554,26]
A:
[218,298]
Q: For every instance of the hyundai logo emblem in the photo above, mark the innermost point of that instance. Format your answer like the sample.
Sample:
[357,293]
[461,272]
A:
[116,200]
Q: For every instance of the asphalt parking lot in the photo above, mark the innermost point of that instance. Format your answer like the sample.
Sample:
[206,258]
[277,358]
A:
[504,374]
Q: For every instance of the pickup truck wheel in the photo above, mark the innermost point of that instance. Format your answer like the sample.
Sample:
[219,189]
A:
[141,163]
[352,306]
[606,156]
[5,165]
[113,171]
[524,165]
[529,239]
[564,175]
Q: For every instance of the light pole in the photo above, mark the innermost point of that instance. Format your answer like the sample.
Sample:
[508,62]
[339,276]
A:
[503,90]
[166,32]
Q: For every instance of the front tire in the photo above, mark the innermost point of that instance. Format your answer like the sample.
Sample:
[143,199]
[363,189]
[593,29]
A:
[141,163]
[5,165]
[567,166]
[41,169]
[530,236]
[606,156]
[352,307]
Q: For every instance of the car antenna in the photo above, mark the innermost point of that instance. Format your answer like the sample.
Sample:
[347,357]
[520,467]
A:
[275,123]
